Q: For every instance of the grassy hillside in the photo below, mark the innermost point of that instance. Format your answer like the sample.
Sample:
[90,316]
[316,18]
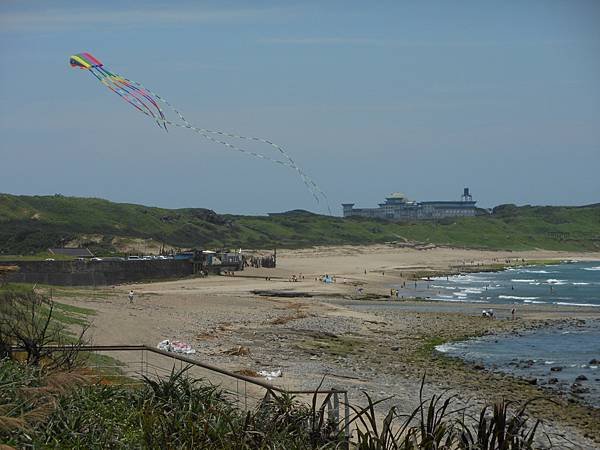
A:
[29,224]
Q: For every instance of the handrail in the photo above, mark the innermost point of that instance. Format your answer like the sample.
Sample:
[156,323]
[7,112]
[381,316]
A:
[194,362]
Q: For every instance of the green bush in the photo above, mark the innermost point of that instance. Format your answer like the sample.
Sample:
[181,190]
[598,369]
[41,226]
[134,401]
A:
[61,410]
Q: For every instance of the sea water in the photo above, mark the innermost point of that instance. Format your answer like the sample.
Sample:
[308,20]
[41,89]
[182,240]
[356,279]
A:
[564,358]
[554,356]
[567,284]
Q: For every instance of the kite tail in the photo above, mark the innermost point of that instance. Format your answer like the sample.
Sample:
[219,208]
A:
[135,93]
[308,182]
[138,95]
[124,94]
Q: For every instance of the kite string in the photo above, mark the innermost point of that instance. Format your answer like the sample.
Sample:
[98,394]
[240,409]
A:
[128,92]
[135,101]
[310,184]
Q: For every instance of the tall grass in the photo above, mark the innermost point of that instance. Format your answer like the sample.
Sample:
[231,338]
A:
[30,321]
[435,425]
[67,410]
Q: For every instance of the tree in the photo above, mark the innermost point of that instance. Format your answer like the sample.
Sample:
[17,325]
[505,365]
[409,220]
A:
[27,322]
[5,272]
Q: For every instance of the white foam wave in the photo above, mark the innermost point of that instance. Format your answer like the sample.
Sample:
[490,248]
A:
[472,280]
[449,288]
[575,304]
[473,291]
[443,298]
[444,348]
[592,268]
[580,284]
[517,280]
[535,301]
[514,297]
[555,281]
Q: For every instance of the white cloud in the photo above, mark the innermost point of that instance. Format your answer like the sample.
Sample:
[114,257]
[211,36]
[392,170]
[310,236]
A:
[357,40]
[324,41]
[61,19]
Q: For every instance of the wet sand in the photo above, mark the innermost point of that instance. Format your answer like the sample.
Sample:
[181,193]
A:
[379,346]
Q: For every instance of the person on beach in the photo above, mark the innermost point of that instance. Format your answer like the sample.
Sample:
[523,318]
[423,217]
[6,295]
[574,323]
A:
[131,295]
[512,313]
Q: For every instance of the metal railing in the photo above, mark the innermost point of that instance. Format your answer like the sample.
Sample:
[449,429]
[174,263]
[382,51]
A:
[128,364]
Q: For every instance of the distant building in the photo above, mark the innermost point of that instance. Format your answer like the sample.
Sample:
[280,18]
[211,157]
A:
[72,252]
[398,208]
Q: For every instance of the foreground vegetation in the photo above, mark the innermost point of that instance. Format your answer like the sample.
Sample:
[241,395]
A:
[74,409]
[49,399]
[31,224]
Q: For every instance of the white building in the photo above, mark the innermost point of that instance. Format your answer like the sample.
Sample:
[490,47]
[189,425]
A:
[398,208]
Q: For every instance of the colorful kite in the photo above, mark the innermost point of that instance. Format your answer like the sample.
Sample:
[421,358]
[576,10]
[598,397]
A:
[148,103]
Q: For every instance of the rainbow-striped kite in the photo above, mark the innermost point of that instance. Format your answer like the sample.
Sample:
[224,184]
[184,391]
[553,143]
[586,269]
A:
[148,103]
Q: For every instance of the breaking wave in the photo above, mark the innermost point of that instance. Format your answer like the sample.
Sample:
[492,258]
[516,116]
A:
[514,297]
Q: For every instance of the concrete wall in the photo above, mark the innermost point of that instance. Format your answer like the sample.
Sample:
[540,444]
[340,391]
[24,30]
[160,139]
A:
[96,273]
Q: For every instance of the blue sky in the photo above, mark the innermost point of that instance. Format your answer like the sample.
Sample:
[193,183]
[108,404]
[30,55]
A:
[369,98]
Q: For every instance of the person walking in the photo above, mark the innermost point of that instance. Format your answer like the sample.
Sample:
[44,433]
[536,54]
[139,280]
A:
[131,295]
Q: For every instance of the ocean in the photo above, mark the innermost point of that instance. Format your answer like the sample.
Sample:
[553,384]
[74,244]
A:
[568,284]
[566,358]
[563,358]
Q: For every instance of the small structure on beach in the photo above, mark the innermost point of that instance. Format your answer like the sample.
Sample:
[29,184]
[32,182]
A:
[400,209]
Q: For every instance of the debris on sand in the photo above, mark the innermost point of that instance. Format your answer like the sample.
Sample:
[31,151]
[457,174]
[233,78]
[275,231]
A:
[176,347]
[270,375]
[248,373]
[240,350]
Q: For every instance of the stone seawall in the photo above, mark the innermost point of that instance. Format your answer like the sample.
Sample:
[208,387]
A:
[96,273]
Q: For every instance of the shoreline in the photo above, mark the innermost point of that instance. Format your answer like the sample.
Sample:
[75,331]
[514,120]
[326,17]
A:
[361,344]
[556,327]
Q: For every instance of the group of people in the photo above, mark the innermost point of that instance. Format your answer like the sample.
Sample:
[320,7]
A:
[326,278]
[489,313]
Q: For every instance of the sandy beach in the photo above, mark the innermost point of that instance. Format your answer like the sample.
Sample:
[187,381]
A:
[353,337]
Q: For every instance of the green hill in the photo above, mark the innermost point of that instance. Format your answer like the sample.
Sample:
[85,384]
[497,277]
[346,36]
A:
[29,224]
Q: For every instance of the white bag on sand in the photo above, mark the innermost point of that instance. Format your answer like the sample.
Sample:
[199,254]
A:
[270,375]
[176,347]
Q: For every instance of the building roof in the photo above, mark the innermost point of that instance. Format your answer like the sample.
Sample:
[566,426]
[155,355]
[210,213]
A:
[397,195]
[450,203]
[74,252]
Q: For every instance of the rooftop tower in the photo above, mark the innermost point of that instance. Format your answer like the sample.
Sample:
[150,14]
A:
[466,197]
